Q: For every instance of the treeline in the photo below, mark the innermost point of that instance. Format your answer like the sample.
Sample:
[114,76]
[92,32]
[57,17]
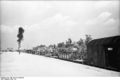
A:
[69,50]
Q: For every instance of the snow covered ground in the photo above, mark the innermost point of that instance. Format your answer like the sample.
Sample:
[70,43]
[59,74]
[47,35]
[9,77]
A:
[26,65]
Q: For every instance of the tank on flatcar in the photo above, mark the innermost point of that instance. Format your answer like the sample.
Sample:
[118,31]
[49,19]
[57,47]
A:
[67,53]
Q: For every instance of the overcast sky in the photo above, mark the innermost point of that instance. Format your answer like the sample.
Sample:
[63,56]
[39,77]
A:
[50,22]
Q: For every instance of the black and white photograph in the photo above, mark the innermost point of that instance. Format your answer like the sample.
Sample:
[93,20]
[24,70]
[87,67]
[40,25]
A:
[59,38]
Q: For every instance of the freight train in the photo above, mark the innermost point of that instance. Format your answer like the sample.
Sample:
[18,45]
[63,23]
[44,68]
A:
[103,53]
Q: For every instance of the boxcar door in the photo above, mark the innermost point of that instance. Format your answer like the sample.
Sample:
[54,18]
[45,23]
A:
[113,57]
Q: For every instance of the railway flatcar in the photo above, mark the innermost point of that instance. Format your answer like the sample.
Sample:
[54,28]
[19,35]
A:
[67,53]
[104,53]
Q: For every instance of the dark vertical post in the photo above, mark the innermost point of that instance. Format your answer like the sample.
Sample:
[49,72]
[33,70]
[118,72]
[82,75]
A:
[20,37]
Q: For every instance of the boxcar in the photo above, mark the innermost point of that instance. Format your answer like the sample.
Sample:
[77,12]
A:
[104,52]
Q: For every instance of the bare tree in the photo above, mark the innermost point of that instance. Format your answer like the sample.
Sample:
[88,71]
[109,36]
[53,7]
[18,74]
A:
[88,39]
